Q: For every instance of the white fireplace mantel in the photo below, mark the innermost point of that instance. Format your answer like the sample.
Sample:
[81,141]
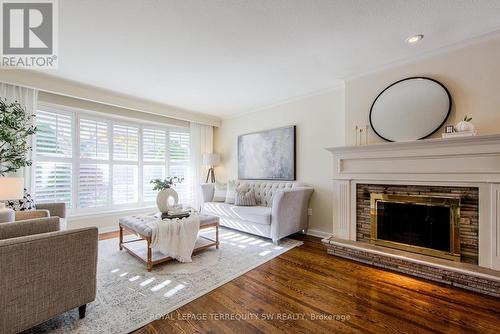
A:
[466,161]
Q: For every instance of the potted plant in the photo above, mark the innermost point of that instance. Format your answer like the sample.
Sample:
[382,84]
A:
[16,129]
[167,197]
[465,125]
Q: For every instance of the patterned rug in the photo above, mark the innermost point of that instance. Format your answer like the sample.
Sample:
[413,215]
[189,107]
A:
[128,297]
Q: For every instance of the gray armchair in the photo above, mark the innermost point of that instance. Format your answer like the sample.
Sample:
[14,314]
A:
[42,211]
[44,271]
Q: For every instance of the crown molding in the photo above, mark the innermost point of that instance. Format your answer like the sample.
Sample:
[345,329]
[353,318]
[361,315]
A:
[337,86]
[478,39]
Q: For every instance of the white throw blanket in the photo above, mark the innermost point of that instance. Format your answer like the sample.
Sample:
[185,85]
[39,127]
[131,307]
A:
[176,237]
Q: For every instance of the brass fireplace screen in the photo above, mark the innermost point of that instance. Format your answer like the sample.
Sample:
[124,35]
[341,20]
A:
[419,224]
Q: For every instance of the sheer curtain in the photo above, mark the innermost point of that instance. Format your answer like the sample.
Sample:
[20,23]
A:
[201,142]
[28,98]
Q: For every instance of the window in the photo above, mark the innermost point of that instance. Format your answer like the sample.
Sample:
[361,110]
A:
[154,150]
[53,179]
[93,185]
[97,164]
[53,182]
[155,144]
[125,143]
[125,184]
[93,139]
[54,137]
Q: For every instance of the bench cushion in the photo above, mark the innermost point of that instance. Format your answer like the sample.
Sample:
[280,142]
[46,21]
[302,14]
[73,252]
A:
[140,223]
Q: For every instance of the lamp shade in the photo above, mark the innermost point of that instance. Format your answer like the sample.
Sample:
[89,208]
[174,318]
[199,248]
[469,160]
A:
[210,159]
[11,188]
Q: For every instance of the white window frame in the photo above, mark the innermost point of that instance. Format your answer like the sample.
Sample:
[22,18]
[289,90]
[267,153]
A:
[76,115]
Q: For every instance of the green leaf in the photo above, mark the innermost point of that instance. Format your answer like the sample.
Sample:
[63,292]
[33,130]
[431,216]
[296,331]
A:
[16,128]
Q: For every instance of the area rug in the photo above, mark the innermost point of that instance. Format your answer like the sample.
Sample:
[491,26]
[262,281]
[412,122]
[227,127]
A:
[128,297]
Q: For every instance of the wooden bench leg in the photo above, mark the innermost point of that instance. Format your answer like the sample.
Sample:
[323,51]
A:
[121,237]
[217,237]
[149,262]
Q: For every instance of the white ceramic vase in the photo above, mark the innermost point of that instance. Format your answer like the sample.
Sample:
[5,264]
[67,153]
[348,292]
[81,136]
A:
[163,199]
[464,126]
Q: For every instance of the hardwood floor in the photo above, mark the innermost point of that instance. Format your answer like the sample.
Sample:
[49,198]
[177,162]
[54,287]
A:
[290,293]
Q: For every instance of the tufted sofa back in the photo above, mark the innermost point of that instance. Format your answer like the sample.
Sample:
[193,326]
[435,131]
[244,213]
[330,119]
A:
[265,190]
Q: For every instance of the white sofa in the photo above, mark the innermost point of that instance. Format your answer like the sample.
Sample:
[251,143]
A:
[281,209]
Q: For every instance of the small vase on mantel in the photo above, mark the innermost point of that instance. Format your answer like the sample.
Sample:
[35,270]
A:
[465,125]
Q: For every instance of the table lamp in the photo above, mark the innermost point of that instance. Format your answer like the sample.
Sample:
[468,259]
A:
[11,188]
[211,160]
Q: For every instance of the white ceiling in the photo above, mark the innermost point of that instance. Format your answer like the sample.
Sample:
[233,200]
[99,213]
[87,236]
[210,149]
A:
[225,57]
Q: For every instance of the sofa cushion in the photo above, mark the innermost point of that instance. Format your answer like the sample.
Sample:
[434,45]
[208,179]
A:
[265,190]
[220,190]
[245,198]
[254,214]
[231,192]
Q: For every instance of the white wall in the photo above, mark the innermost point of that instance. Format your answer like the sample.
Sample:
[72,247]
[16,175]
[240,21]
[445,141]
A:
[320,123]
[471,74]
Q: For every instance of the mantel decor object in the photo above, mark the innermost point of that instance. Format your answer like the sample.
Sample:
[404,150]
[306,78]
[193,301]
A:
[410,109]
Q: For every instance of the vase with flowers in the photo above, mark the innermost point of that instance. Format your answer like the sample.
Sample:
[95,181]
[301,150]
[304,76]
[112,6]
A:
[167,198]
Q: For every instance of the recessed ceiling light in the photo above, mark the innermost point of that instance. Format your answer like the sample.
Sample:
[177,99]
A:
[414,39]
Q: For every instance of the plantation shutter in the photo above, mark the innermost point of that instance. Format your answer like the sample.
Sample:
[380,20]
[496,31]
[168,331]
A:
[179,163]
[154,145]
[53,182]
[125,142]
[54,134]
[151,172]
[53,148]
[94,139]
[93,185]
[125,184]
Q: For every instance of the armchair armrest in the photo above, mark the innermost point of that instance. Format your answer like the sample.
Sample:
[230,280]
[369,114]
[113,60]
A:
[33,214]
[28,227]
[207,191]
[55,209]
[44,275]
[289,211]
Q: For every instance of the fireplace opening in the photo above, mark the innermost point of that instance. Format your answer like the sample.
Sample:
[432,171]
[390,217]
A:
[420,224]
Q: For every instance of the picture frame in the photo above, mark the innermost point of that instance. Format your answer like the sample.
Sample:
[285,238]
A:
[268,155]
[449,129]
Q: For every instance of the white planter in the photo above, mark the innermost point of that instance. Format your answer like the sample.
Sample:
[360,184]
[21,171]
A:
[167,199]
[464,126]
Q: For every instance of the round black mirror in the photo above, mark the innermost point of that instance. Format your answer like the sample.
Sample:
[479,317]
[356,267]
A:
[410,109]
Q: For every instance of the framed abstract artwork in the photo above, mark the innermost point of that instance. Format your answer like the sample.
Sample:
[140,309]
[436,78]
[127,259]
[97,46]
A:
[267,155]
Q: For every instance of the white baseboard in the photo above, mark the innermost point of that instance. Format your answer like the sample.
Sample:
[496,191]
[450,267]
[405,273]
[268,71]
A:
[108,229]
[319,234]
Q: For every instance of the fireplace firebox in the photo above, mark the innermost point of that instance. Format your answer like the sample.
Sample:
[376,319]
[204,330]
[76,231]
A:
[421,224]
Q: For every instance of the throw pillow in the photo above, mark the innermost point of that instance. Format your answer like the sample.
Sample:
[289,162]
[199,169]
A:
[245,198]
[24,204]
[220,192]
[231,192]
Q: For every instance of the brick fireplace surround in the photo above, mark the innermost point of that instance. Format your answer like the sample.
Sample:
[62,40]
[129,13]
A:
[469,208]
[464,168]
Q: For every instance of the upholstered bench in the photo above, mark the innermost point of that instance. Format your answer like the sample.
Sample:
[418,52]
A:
[139,225]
